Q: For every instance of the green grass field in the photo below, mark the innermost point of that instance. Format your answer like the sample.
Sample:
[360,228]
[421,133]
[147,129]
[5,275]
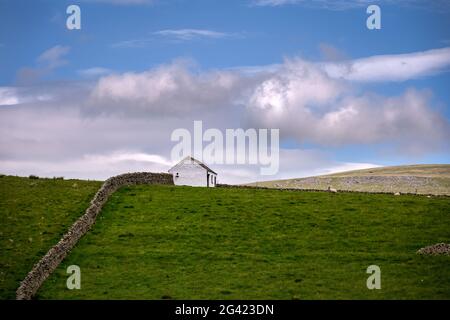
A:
[34,214]
[165,242]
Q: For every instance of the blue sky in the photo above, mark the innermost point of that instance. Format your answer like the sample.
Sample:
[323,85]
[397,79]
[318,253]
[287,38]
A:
[40,58]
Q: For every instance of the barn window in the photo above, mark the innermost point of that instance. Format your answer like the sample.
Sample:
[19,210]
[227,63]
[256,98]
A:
[177,175]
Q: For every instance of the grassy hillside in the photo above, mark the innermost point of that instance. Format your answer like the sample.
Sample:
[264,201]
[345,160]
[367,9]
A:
[163,242]
[34,213]
[421,179]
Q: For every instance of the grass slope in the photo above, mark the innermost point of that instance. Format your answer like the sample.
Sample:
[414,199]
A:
[417,170]
[421,179]
[34,214]
[162,242]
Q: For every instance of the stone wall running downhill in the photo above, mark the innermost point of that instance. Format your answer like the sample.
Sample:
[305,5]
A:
[41,270]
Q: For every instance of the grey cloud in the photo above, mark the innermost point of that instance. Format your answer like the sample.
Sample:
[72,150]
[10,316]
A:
[310,106]
[171,89]
[122,117]
[46,63]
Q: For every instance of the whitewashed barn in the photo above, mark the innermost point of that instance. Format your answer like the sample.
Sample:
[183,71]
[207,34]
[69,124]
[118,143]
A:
[191,172]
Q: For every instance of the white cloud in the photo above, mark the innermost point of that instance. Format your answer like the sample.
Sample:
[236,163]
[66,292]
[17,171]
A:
[168,89]
[190,34]
[347,166]
[122,2]
[274,3]
[123,122]
[325,4]
[57,139]
[400,67]
[294,164]
[310,106]
[133,43]
[47,62]
[53,57]
[379,68]
[94,72]
[304,99]
[120,156]
[90,166]
[407,120]
[175,35]
[8,96]
[256,70]
[440,5]
[299,97]
[296,82]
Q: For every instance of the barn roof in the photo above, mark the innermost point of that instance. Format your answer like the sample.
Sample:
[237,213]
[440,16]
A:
[196,161]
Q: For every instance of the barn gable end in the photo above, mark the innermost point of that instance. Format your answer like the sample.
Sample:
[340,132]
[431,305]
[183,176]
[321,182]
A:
[191,172]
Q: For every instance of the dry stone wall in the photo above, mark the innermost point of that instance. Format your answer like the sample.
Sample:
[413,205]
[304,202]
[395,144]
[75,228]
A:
[436,249]
[41,270]
[322,190]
